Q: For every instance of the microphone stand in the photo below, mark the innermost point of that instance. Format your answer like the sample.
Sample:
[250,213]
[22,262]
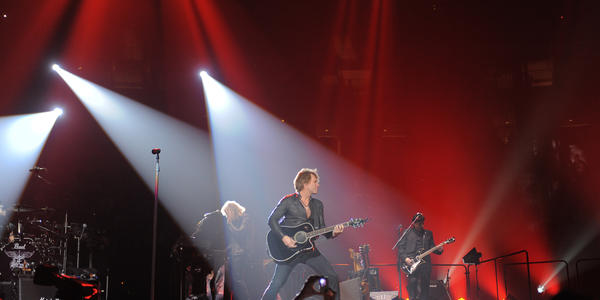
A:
[155,151]
[198,227]
[404,233]
[201,222]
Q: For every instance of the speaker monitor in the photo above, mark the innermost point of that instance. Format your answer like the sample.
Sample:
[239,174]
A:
[350,289]
[27,290]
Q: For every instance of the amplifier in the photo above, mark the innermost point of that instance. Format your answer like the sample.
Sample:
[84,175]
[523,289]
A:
[438,290]
[373,279]
[27,290]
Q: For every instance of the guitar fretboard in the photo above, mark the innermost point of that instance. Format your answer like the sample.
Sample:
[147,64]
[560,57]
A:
[325,230]
[435,248]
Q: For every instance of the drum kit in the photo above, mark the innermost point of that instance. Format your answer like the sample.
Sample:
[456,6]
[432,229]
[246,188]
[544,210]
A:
[32,239]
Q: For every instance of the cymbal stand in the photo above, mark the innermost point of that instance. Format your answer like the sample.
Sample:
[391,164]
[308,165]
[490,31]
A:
[79,243]
[19,224]
[65,246]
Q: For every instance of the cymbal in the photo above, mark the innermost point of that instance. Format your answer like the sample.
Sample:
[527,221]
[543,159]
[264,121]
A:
[22,209]
[47,209]
[29,209]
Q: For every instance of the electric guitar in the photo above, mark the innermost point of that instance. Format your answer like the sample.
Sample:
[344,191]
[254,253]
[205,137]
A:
[303,234]
[417,260]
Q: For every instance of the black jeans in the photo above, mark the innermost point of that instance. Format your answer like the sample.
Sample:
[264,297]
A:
[418,282]
[317,262]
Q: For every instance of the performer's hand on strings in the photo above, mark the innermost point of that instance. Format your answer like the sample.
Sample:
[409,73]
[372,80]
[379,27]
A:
[288,241]
[338,229]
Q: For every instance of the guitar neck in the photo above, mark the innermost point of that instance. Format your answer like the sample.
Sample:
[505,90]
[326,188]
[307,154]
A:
[420,256]
[325,230]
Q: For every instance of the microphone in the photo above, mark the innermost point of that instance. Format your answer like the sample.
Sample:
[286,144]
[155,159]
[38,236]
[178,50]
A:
[418,217]
[37,169]
[155,150]
[212,212]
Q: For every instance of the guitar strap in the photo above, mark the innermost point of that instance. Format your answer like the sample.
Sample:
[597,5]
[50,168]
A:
[425,244]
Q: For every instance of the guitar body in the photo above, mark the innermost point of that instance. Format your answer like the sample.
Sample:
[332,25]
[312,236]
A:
[279,252]
[408,270]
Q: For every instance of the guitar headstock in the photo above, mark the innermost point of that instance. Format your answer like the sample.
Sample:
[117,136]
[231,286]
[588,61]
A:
[358,222]
[450,240]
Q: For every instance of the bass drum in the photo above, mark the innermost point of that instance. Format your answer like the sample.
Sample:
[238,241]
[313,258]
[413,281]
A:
[21,253]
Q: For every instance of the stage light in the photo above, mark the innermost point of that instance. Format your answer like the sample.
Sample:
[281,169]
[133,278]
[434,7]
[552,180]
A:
[55,67]
[472,257]
[31,131]
[541,289]
[58,111]
[217,95]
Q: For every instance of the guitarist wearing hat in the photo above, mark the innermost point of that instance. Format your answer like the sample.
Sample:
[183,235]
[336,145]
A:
[417,240]
[296,209]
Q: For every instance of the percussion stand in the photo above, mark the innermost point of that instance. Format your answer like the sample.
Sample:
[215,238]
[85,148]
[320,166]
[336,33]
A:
[65,245]
[79,243]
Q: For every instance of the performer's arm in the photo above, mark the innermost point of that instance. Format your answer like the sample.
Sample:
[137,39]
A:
[278,213]
[321,223]
[402,255]
[438,251]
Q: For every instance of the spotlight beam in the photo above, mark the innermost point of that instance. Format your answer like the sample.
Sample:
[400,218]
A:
[23,138]
[187,168]
[256,156]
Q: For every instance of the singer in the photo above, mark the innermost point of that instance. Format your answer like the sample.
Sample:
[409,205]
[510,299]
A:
[295,209]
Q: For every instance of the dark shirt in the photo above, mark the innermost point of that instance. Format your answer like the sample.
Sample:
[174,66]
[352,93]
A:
[238,234]
[415,242]
[290,212]
[419,240]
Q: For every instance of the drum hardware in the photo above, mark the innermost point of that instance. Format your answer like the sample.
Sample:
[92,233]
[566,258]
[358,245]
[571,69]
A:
[78,238]
[33,240]
[65,244]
